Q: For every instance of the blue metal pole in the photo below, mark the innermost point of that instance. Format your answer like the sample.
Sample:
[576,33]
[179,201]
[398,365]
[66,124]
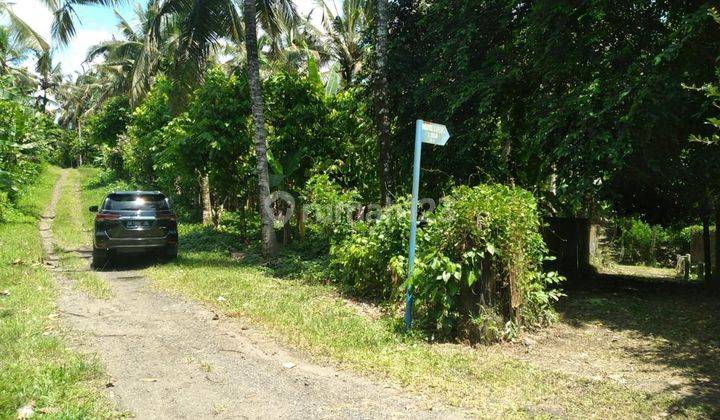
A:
[413,221]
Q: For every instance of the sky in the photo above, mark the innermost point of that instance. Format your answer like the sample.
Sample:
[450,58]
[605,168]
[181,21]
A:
[96,24]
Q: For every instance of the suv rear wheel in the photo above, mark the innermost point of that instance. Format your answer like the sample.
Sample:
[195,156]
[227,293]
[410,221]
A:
[99,258]
[170,252]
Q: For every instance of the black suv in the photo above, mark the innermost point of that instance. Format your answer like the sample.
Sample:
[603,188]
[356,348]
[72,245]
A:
[134,221]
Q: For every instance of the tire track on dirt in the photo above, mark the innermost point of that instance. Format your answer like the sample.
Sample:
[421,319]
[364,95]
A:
[168,357]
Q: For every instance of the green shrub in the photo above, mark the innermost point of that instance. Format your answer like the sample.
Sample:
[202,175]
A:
[362,261]
[109,182]
[638,242]
[110,121]
[4,205]
[479,270]
[26,139]
[144,141]
[327,208]
[112,159]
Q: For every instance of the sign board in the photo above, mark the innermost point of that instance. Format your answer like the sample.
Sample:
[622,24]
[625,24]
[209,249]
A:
[431,133]
[436,134]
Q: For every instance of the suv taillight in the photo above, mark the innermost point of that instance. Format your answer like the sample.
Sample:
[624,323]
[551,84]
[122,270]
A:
[171,217]
[100,217]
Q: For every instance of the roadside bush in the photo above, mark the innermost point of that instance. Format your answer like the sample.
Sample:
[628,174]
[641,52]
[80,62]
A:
[26,140]
[328,209]
[479,271]
[109,181]
[4,205]
[110,121]
[112,158]
[362,261]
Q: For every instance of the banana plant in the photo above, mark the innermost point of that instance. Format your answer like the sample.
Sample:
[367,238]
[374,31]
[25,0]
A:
[282,170]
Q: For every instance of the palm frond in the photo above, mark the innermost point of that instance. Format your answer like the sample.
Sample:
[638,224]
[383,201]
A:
[26,33]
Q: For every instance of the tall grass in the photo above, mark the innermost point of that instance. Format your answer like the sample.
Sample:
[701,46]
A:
[35,365]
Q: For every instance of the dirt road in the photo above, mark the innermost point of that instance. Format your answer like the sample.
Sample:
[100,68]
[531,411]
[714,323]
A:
[167,357]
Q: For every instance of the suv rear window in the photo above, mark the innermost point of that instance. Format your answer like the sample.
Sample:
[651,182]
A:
[135,202]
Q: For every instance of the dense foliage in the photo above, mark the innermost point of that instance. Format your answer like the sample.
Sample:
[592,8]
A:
[576,101]
[110,121]
[362,261]
[144,141]
[310,133]
[478,272]
[27,139]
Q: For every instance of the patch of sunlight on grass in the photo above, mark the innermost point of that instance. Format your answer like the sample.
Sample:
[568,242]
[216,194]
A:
[311,318]
[68,232]
[72,230]
[36,366]
[77,269]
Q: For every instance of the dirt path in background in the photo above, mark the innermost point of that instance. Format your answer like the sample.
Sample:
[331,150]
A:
[168,357]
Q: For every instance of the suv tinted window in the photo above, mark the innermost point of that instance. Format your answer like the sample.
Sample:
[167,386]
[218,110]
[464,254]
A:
[135,202]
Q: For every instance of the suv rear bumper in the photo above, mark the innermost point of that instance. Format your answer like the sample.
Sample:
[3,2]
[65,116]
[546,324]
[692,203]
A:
[103,241]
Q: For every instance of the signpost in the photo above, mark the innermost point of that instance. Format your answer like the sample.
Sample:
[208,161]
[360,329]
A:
[425,132]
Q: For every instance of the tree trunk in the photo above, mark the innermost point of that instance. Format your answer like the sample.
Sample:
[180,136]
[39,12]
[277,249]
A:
[206,203]
[706,248]
[79,133]
[269,246]
[44,101]
[717,244]
[381,105]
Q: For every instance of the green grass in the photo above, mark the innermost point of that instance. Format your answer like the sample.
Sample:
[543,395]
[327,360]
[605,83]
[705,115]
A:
[313,319]
[72,230]
[34,363]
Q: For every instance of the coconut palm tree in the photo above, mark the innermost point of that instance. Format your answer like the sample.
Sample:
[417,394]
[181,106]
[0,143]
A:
[202,27]
[65,15]
[13,52]
[269,244]
[382,113]
[50,78]
[21,30]
[127,62]
[343,35]
[18,41]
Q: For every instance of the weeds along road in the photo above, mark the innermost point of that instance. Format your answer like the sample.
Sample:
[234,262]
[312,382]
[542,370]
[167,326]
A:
[167,357]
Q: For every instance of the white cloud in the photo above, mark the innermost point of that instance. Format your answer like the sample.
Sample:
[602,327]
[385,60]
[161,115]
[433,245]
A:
[38,16]
[73,55]
[306,6]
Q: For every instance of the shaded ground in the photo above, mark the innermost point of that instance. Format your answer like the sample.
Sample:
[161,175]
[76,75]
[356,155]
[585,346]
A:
[168,357]
[643,330]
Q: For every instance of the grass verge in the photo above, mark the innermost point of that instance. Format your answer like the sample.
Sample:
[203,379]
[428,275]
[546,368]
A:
[312,318]
[35,366]
[72,232]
